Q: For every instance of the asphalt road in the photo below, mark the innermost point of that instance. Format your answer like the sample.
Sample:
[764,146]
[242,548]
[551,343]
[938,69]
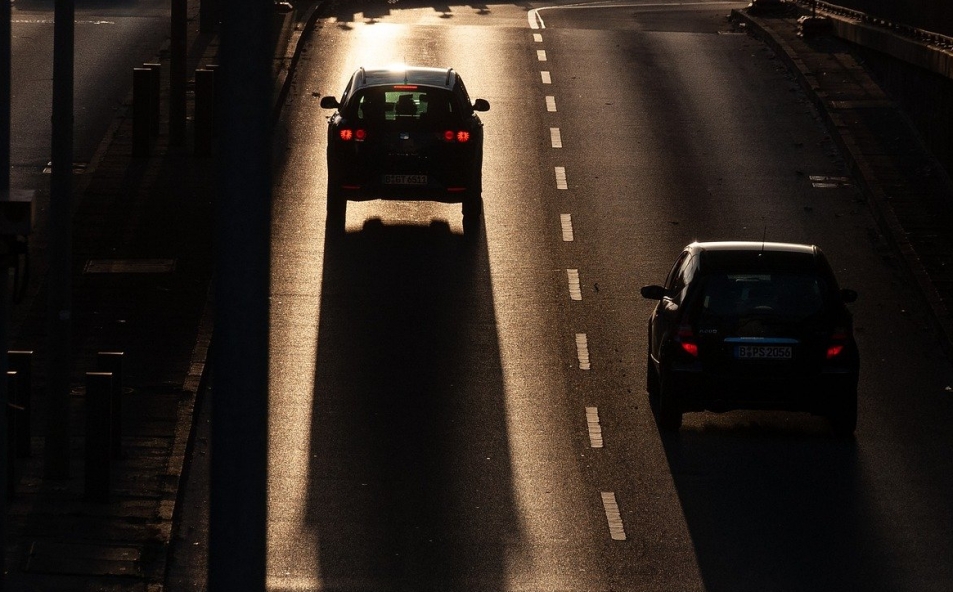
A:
[111,38]
[434,408]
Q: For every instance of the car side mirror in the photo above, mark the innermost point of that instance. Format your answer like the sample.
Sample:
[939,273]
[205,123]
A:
[653,292]
[481,105]
[848,296]
[329,102]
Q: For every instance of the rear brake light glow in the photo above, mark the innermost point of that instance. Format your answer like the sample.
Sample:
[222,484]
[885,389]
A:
[686,340]
[347,134]
[460,136]
[405,87]
[836,346]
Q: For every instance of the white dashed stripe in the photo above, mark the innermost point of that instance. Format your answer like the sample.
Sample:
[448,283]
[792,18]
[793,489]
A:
[616,530]
[537,38]
[541,55]
[565,220]
[575,292]
[595,428]
[551,104]
[561,178]
[556,137]
[547,79]
[582,351]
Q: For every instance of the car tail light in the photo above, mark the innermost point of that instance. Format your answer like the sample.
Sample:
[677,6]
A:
[837,343]
[685,338]
[347,134]
[460,136]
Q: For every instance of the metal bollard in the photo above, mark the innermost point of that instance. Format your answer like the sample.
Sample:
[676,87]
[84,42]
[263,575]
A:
[98,474]
[204,111]
[155,79]
[141,111]
[112,362]
[22,363]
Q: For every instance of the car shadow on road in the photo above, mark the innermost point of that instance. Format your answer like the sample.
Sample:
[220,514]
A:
[776,502]
[410,476]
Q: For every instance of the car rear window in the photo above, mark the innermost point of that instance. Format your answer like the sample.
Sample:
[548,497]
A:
[786,295]
[404,103]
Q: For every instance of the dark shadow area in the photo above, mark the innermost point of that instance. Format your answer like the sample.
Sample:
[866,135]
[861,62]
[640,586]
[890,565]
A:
[410,472]
[776,504]
[347,12]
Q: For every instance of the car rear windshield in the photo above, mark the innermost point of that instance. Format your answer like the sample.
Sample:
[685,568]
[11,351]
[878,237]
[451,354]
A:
[407,103]
[780,295]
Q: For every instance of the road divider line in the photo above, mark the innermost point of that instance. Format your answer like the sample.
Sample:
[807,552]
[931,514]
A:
[595,428]
[547,79]
[565,221]
[551,103]
[616,528]
[537,38]
[555,137]
[575,291]
[561,178]
[541,55]
[582,351]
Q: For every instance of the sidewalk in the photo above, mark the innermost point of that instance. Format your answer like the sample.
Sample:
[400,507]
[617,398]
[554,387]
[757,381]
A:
[907,190]
[142,252]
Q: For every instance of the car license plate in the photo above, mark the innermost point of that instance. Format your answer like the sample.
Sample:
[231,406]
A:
[405,179]
[763,352]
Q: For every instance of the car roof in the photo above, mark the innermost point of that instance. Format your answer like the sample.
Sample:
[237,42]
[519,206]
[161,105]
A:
[754,256]
[403,74]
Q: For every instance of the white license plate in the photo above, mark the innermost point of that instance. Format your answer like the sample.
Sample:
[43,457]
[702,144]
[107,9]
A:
[405,179]
[763,352]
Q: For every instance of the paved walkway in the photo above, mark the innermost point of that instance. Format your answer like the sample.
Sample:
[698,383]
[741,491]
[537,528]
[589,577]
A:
[141,281]
[141,286]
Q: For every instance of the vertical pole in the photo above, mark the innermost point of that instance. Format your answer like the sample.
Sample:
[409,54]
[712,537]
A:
[178,71]
[22,362]
[204,119]
[6,33]
[59,310]
[239,427]
[141,112]
[97,466]
[112,362]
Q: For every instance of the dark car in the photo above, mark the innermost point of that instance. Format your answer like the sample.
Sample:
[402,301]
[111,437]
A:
[406,133]
[752,325]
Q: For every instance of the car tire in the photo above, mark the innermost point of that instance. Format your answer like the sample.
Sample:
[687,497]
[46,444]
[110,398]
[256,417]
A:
[337,209]
[843,416]
[651,379]
[472,217]
[669,412]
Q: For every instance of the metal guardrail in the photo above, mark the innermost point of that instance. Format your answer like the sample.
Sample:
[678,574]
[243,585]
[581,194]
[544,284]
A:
[923,36]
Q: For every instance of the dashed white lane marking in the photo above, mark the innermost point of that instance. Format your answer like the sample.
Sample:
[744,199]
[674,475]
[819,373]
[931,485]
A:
[616,529]
[825,182]
[541,55]
[582,351]
[555,137]
[575,291]
[561,178]
[537,38]
[565,221]
[595,428]
[547,79]
[551,103]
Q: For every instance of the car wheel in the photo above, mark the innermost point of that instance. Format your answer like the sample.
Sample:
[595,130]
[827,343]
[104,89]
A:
[337,209]
[651,379]
[843,416]
[472,216]
[669,416]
